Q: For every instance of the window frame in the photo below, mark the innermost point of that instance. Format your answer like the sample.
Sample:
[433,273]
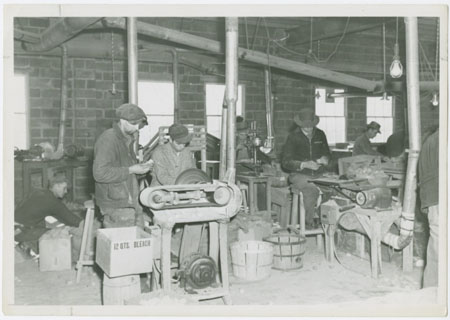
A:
[243,105]
[150,115]
[392,117]
[27,107]
[345,115]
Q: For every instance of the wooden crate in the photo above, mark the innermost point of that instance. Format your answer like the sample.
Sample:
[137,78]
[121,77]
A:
[124,251]
[360,161]
[55,250]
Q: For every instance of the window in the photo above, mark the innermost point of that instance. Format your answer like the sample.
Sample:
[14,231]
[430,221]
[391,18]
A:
[382,112]
[332,115]
[157,101]
[214,100]
[21,127]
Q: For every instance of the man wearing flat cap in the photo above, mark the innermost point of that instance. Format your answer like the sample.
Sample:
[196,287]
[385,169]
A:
[173,157]
[362,143]
[115,169]
[306,155]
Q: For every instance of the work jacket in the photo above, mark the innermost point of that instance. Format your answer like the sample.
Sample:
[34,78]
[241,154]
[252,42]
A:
[169,164]
[299,148]
[429,171]
[115,187]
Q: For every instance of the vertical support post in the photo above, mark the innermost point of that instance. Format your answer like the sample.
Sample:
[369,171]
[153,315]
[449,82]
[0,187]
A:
[63,115]
[175,86]
[132,60]
[214,241]
[268,197]
[223,251]
[231,90]
[166,236]
[412,82]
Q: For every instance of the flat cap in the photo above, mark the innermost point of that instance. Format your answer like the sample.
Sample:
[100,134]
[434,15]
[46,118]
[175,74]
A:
[130,112]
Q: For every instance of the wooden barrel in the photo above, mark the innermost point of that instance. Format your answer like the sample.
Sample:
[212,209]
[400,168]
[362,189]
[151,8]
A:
[251,260]
[117,290]
[288,251]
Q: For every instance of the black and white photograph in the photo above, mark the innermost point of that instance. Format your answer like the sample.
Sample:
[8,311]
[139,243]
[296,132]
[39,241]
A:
[245,160]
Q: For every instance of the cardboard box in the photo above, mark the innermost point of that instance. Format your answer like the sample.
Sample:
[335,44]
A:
[124,251]
[55,250]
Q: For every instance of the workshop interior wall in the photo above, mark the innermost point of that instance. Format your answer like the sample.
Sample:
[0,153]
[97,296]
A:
[91,105]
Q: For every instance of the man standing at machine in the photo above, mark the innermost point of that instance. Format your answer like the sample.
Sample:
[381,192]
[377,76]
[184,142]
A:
[362,143]
[306,155]
[115,169]
[172,158]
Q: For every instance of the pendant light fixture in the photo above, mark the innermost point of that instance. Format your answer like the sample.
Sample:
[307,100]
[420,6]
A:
[435,100]
[396,69]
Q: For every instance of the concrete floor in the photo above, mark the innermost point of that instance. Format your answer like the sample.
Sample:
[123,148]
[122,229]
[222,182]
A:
[316,283]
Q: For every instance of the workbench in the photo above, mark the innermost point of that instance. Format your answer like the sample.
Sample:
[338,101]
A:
[251,181]
[46,169]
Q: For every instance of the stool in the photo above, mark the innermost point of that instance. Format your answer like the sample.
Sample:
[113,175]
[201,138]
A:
[86,240]
[244,190]
[251,181]
[298,206]
[166,219]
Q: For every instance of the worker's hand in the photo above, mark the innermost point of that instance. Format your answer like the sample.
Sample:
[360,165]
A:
[140,168]
[310,165]
[323,160]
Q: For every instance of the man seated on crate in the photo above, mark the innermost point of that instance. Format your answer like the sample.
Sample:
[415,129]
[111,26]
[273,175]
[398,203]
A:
[306,155]
[43,205]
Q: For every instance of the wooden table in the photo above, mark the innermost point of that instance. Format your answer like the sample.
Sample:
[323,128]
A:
[251,181]
[47,169]
[374,224]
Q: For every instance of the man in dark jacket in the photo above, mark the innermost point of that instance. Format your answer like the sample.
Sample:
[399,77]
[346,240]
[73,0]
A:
[30,215]
[115,169]
[306,155]
[429,198]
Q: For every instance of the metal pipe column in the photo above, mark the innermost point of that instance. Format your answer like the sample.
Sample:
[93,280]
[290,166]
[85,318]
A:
[63,116]
[223,141]
[413,87]
[412,82]
[231,90]
[132,60]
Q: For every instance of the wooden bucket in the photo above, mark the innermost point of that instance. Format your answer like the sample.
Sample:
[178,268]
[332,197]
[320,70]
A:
[119,289]
[288,250]
[251,260]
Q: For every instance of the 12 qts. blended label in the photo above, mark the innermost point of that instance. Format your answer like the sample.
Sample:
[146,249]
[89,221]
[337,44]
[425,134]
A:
[134,244]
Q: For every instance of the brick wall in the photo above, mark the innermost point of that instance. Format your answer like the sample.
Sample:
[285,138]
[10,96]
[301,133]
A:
[91,104]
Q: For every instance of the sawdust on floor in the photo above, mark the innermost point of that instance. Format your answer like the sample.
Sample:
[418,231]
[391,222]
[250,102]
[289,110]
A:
[317,282]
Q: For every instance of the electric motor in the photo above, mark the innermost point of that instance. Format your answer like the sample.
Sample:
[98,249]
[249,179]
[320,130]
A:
[197,271]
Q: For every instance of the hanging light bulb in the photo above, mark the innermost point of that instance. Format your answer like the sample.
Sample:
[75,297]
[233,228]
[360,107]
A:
[396,69]
[435,100]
